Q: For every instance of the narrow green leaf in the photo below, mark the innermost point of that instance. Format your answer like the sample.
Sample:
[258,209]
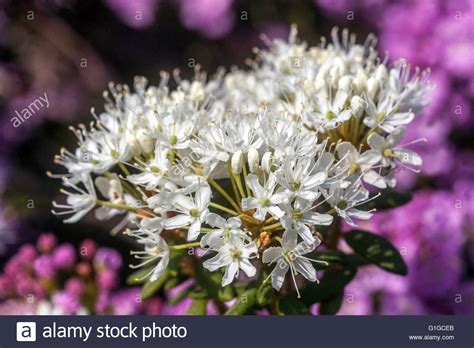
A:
[150,288]
[388,199]
[198,307]
[376,250]
[244,303]
[138,277]
[264,294]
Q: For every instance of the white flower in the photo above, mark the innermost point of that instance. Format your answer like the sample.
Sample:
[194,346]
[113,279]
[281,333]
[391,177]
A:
[226,229]
[192,212]
[233,255]
[290,257]
[79,201]
[112,190]
[386,116]
[389,150]
[297,177]
[174,131]
[155,248]
[264,199]
[345,200]
[153,171]
[300,216]
[355,163]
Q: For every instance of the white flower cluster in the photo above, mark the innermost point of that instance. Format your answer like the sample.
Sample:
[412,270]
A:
[247,164]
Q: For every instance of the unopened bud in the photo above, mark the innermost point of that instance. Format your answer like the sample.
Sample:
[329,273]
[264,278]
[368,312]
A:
[146,142]
[345,83]
[133,145]
[267,161]
[357,106]
[334,76]
[254,160]
[358,86]
[236,162]
[372,88]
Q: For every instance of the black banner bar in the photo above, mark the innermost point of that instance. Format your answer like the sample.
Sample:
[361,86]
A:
[242,332]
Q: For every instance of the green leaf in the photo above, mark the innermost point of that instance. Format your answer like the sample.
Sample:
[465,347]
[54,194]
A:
[332,283]
[211,283]
[330,256]
[264,294]
[331,305]
[150,288]
[388,199]
[244,303]
[198,307]
[377,250]
[290,305]
[138,277]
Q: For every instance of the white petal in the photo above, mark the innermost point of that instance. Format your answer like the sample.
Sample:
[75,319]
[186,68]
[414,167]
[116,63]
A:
[272,254]
[249,203]
[373,178]
[103,185]
[254,185]
[306,269]
[230,273]
[278,275]
[248,268]
[359,214]
[408,157]
[216,220]
[377,142]
[203,197]
[194,230]
[177,221]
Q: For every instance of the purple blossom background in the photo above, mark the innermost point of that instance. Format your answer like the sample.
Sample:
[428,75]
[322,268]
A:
[71,49]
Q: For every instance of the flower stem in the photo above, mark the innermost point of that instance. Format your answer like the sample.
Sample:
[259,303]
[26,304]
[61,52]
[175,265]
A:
[124,169]
[202,229]
[271,227]
[234,184]
[117,206]
[239,184]
[223,193]
[221,207]
[185,246]
[244,171]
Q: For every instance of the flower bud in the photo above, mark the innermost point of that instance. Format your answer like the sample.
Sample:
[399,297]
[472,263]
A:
[372,88]
[146,142]
[334,76]
[253,160]
[358,86]
[133,144]
[267,161]
[345,83]
[357,106]
[236,162]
